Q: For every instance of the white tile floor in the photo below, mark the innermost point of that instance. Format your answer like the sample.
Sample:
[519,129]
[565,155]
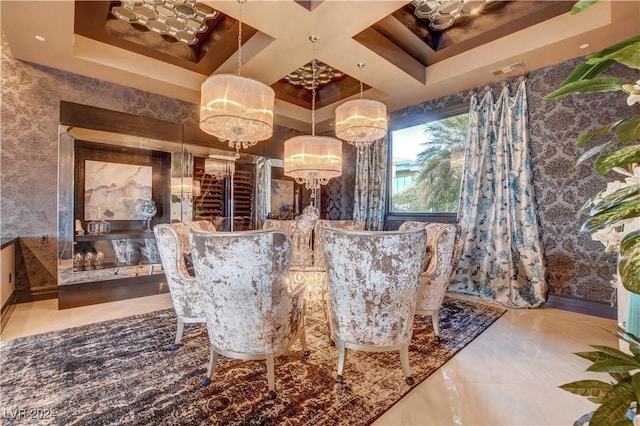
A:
[509,375]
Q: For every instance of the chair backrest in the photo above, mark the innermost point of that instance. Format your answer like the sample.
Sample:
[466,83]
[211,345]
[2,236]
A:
[442,239]
[300,233]
[151,251]
[127,251]
[170,240]
[180,236]
[320,226]
[244,280]
[372,284]
[240,223]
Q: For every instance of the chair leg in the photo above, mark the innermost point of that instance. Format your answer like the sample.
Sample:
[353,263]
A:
[436,324]
[211,368]
[404,359]
[179,331]
[303,343]
[271,380]
[342,354]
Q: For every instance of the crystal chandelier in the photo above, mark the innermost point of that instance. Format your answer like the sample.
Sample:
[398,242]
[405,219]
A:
[236,109]
[361,122]
[313,160]
[442,14]
[181,19]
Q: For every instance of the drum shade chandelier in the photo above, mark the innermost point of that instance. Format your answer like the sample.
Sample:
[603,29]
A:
[236,109]
[361,122]
[313,160]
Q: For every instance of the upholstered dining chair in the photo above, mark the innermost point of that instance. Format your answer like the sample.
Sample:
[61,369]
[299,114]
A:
[251,312]
[372,283]
[436,269]
[172,241]
[151,253]
[300,233]
[318,230]
[127,252]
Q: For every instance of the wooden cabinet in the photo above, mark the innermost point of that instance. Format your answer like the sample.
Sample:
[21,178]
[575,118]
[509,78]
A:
[215,199]
[113,266]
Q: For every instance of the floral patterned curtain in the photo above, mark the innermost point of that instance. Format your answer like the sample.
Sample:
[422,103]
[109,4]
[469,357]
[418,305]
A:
[501,257]
[370,189]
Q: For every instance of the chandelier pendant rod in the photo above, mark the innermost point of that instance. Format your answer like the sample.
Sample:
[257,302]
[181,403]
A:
[240,36]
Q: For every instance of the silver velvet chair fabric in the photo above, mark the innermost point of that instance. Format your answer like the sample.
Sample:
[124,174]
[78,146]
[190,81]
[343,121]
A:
[372,284]
[151,253]
[442,239]
[127,252]
[251,313]
[299,231]
[318,230]
[172,241]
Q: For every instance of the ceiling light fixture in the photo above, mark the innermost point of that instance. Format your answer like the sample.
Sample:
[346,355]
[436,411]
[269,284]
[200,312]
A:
[313,160]
[361,122]
[180,19]
[236,109]
[442,14]
[308,77]
[40,38]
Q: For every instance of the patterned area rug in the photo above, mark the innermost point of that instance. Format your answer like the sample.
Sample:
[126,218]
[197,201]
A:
[121,372]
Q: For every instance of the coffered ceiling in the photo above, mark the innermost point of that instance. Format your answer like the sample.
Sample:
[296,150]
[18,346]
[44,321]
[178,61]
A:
[406,61]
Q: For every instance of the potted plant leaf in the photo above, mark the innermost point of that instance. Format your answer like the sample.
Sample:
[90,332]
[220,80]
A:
[618,399]
[614,218]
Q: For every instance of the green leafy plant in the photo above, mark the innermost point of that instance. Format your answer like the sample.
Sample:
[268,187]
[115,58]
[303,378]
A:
[616,399]
[621,152]
[611,211]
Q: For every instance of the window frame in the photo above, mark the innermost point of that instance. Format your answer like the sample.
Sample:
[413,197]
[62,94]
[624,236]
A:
[410,121]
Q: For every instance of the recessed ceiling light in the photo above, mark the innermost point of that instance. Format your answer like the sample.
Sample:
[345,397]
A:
[584,45]
[40,38]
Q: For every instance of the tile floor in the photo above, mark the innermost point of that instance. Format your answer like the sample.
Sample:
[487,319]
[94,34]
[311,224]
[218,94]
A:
[509,375]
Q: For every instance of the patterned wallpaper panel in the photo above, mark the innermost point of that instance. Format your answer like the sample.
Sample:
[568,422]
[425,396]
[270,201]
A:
[337,196]
[578,266]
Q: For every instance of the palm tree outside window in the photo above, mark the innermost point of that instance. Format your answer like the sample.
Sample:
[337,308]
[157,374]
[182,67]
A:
[426,164]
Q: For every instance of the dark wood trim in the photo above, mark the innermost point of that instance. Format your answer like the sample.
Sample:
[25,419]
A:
[91,293]
[587,307]
[9,241]
[35,294]
[215,46]
[309,4]
[89,117]
[159,161]
[410,121]
[378,43]
[7,310]
[422,217]
[424,117]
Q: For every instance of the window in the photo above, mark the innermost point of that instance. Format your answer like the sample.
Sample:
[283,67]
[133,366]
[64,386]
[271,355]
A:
[427,158]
